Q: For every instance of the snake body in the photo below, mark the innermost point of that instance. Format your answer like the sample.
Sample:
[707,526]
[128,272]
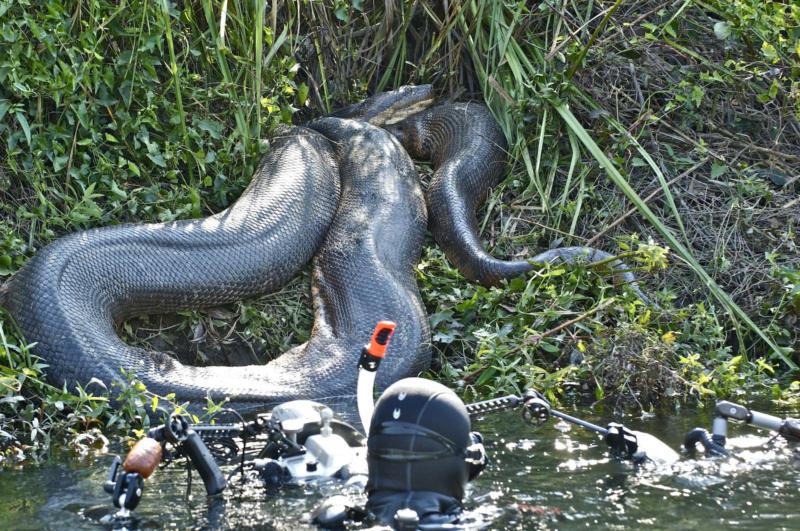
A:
[468,152]
[340,189]
[71,294]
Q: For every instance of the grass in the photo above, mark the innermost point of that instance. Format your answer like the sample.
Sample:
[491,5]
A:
[632,126]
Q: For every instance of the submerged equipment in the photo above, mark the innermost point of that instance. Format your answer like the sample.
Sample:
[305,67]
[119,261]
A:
[125,480]
[714,443]
[297,441]
[636,446]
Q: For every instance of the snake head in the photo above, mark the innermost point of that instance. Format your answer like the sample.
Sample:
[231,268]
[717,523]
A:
[413,133]
[390,107]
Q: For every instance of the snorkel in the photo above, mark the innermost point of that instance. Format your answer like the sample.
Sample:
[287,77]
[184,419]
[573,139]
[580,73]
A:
[371,357]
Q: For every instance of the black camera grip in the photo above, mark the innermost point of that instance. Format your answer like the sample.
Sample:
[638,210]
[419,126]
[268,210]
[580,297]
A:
[204,462]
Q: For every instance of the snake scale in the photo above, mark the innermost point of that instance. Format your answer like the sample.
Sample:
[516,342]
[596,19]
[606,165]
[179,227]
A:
[341,190]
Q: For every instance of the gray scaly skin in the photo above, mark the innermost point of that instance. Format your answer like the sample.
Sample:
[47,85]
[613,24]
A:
[469,153]
[365,270]
[69,296]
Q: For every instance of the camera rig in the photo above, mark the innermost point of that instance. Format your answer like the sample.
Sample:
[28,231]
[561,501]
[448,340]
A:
[714,443]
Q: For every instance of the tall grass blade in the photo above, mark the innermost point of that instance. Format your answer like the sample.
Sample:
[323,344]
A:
[259,52]
[173,67]
[735,311]
[219,47]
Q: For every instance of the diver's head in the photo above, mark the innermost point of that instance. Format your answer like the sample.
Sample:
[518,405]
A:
[420,440]
[389,107]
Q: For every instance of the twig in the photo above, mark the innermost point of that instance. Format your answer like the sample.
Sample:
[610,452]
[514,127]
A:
[646,200]
[792,202]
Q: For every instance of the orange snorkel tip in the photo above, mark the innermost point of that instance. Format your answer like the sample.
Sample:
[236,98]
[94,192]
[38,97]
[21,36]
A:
[380,338]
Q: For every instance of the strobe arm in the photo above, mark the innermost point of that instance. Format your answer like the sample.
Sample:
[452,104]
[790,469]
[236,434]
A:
[537,410]
[789,428]
[714,443]
[504,403]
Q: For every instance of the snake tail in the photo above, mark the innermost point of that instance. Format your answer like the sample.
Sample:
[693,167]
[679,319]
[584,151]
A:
[468,152]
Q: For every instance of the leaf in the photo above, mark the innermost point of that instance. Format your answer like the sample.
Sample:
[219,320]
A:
[773,89]
[134,168]
[486,376]
[718,169]
[443,337]
[26,128]
[769,52]
[60,162]
[117,192]
[341,14]
[158,159]
[212,127]
[302,94]
[722,30]
[549,347]
[435,318]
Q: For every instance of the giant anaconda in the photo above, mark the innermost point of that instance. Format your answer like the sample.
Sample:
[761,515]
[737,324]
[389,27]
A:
[71,293]
[366,232]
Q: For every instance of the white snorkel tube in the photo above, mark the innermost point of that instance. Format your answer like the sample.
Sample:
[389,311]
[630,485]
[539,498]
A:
[371,357]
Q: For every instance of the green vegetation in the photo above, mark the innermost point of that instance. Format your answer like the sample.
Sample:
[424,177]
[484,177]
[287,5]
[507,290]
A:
[635,127]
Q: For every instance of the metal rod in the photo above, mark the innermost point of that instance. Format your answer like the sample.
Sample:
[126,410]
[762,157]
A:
[579,422]
[493,405]
[762,420]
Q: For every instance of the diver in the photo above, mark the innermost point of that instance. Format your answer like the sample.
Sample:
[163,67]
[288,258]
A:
[421,453]
[414,466]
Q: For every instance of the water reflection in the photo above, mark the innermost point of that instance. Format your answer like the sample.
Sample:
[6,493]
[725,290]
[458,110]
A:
[569,470]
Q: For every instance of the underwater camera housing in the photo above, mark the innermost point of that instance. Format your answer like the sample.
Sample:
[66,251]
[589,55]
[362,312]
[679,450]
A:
[314,445]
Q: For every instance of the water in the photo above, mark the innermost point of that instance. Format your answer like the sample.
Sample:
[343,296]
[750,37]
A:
[554,477]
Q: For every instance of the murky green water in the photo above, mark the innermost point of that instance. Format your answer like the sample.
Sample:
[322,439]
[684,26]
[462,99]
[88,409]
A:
[555,477]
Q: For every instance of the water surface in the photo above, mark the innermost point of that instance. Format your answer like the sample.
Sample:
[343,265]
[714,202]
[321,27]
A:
[554,477]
